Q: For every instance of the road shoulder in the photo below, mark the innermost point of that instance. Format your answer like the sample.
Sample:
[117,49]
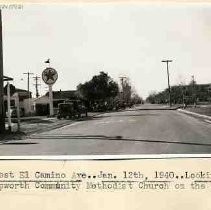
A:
[194,114]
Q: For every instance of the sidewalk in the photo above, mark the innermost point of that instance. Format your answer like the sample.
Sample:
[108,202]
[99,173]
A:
[45,124]
[203,110]
[197,112]
[12,136]
[39,124]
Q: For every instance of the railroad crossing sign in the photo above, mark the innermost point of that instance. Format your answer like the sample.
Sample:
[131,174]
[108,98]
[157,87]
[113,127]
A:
[49,76]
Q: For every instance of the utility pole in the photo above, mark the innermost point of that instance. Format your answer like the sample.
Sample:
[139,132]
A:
[28,82]
[2,114]
[36,85]
[193,80]
[169,88]
[193,90]
[123,89]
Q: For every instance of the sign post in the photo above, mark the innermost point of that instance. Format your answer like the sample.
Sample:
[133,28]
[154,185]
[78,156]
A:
[51,100]
[49,76]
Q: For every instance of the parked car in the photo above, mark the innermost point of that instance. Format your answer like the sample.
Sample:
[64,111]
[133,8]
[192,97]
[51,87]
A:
[71,109]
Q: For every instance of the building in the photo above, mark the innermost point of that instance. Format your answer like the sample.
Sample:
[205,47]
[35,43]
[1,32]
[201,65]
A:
[42,103]
[25,100]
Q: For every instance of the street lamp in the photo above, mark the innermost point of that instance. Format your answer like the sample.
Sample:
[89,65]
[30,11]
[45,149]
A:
[169,88]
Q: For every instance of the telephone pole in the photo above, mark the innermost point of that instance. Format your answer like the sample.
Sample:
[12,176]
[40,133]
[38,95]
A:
[193,90]
[2,114]
[29,95]
[193,79]
[28,81]
[122,84]
[36,85]
[169,88]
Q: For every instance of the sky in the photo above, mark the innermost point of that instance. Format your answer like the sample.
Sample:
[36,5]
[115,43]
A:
[128,39]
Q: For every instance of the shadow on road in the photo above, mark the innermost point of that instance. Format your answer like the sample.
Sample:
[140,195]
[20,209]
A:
[114,138]
[19,143]
[33,121]
[163,109]
[110,114]
[123,115]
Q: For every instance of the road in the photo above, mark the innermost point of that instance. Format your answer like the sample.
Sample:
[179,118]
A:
[138,131]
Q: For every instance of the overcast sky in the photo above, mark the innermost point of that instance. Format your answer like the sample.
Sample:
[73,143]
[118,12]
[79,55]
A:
[120,39]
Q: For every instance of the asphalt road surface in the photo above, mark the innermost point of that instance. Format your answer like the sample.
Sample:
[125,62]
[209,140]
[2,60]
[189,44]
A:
[138,131]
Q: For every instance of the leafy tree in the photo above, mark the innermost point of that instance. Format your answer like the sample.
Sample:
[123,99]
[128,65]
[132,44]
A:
[100,88]
[183,94]
[136,99]
[152,97]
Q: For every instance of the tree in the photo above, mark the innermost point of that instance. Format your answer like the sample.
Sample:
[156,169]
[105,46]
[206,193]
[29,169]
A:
[100,89]
[136,99]
[127,91]
[193,90]
[152,97]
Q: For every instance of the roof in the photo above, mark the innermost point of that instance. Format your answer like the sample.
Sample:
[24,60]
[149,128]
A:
[6,78]
[68,94]
[21,90]
[42,100]
[58,95]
